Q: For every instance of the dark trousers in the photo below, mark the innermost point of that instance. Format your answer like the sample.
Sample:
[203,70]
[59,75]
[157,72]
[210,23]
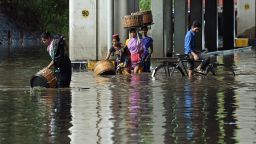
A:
[146,66]
[64,75]
[205,61]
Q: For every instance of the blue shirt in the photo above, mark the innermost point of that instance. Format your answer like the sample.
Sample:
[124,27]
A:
[146,43]
[189,45]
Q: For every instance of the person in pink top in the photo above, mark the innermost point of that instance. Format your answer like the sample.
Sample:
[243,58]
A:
[135,47]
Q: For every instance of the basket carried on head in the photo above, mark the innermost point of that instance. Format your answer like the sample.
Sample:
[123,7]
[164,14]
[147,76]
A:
[147,17]
[132,21]
[138,19]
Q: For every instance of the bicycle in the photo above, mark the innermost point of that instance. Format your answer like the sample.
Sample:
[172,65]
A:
[169,65]
[177,64]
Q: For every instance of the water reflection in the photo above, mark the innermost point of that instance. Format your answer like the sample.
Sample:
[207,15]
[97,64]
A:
[200,113]
[184,113]
[57,110]
[140,110]
[227,60]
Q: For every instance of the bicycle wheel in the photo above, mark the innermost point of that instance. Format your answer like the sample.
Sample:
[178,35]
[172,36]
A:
[167,70]
[176,68]
[159,70]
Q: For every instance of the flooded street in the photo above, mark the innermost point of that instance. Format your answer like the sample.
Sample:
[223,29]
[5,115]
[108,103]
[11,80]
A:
[127,109]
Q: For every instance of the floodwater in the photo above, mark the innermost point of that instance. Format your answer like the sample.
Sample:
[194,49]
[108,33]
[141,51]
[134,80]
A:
[127,109]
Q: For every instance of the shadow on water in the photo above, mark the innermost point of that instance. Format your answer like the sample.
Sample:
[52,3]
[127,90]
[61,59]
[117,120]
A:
[128,109]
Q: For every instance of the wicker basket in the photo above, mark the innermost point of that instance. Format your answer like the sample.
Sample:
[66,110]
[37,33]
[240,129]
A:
[44,78]
[133,20]
[147,18]
[104,67]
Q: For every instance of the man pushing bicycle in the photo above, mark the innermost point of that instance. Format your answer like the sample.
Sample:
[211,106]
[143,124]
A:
[189,49]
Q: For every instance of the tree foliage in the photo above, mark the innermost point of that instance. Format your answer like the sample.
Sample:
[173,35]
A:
[145,5]
[39,15]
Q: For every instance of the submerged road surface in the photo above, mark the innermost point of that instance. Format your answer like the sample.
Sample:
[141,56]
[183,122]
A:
[127,109]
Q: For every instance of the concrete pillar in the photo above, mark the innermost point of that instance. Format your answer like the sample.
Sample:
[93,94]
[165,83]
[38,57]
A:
[196,9]
[211,29]
[82,30]
[157,28]
[133,6]
[162,30]
[180,24]
[110,22]
[168,26]
[228,24]
[246,18]
[120,10]
[104,29]
[92,24]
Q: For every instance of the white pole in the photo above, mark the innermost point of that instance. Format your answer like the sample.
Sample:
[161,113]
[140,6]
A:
[110,22]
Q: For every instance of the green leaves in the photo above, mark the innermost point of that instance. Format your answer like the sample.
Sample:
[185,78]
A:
[145,5]
[40,15]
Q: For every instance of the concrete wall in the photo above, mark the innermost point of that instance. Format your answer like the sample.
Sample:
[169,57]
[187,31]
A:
[246,18]
[180,24]
[82,30]
[90,35]
[103,31]
[157,28]
[162,29]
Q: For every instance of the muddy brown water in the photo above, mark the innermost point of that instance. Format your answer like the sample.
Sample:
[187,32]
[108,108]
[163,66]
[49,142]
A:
[127,109]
